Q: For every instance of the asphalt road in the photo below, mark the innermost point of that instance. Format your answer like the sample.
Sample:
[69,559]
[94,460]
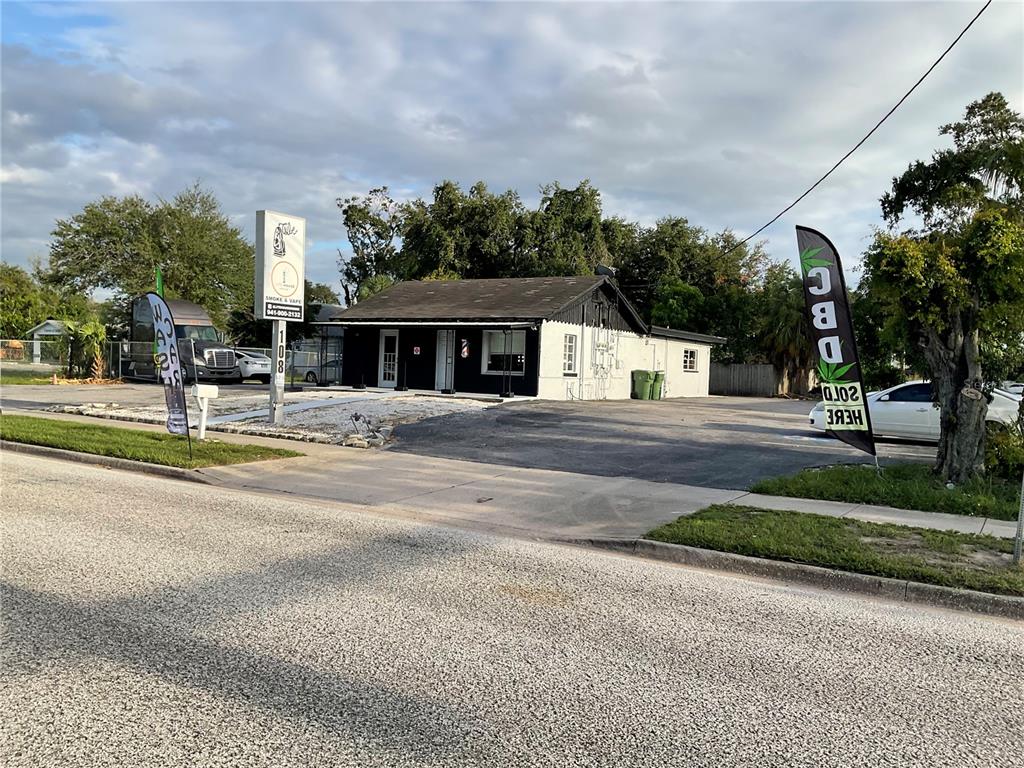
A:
[155,623]
[718,442]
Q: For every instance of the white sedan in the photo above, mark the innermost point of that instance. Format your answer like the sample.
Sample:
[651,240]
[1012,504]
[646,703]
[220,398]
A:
[253,366]
[907,411]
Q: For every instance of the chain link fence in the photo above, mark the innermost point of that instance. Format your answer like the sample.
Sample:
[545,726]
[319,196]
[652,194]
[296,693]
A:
[312,361]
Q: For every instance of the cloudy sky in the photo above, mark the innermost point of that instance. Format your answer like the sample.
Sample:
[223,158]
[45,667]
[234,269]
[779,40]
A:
[720,112]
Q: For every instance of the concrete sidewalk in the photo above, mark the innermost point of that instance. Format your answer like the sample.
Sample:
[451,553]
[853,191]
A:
[533,502]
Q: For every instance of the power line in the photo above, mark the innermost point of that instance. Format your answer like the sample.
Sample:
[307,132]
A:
[867,136]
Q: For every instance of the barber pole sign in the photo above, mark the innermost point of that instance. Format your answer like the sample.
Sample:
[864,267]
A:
[828,306]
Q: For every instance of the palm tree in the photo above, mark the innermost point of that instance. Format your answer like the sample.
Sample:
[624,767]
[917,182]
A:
[784,329]
[85,340]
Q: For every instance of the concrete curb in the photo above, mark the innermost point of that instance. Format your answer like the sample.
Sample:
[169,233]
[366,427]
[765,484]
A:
[175,473]
[227,427]
[823,578]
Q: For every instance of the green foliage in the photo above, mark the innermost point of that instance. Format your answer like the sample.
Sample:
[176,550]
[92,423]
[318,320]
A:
[677,305]
[474,235]
[320,294]
[373,223]
[374,284]
[1004,450]
[85,339]
[566,232]
[956,290]
[905,486]
[246,331]
[728,278]
[135,444]
[782,327]
[117,244]
[11,375]
[901,552]
[24,303]
[1004,454]
[985,164]
[884,356]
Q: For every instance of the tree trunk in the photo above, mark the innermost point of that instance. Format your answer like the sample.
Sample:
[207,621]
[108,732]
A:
[956,378]
[97,365]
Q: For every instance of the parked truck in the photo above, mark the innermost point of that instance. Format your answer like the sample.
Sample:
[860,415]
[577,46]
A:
[203,353]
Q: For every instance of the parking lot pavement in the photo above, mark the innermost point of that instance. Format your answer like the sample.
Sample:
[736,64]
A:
[719,442]
[206,627]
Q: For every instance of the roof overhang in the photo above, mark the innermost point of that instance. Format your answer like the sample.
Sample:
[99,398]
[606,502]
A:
[672,333]
[440,322]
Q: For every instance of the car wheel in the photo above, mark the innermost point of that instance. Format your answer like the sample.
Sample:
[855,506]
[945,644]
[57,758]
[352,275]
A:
[311,377]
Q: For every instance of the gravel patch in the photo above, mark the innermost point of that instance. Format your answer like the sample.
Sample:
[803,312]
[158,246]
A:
[373,419]
[359,419]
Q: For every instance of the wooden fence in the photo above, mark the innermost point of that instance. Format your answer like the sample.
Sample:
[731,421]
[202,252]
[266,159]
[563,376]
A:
[756,380]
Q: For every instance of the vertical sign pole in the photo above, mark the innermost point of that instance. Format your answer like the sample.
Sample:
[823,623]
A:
[277,380]
[280,292]
[1019,539]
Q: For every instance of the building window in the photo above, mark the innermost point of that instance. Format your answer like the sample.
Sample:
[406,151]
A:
[690,360]
[569,354]
[504,351]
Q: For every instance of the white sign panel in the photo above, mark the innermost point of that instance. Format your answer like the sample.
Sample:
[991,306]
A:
[280,266]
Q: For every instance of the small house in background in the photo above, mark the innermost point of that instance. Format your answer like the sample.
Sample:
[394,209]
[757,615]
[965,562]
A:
[49,330]
[557,338]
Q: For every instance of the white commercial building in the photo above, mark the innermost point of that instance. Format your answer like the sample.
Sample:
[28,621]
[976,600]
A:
[557,338]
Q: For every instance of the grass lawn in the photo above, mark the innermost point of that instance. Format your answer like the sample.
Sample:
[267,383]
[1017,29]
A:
[906,486]
[11,375]
[154,447]
[918,554]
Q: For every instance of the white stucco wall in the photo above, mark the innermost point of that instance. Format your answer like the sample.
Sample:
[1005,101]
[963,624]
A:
[606,360]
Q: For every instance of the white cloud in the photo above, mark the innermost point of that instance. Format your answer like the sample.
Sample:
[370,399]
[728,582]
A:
[720,112]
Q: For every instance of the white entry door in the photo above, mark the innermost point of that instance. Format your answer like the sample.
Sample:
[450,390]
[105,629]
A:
[444,362]
[387,374]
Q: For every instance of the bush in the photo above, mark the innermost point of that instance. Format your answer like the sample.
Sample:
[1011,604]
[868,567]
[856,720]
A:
[1004,452]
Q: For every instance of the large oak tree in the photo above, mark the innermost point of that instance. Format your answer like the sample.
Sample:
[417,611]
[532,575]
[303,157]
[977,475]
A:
[116,243]
[956,283]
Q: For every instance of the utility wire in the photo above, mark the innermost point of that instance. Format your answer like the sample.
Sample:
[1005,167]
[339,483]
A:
[867,136]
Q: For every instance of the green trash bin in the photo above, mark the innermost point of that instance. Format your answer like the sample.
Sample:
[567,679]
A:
[657,385]
[642,381]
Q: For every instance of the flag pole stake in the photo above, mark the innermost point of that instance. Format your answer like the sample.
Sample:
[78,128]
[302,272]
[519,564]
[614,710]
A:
[1018,540]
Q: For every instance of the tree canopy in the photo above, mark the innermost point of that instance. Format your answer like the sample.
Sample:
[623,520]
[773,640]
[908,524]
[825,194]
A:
[675,273]
[116,243]
[956,285]
[24,303]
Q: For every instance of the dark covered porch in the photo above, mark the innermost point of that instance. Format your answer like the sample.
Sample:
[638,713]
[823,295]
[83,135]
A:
[498,359]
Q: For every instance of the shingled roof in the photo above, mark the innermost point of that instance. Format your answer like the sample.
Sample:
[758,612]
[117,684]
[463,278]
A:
[518,299]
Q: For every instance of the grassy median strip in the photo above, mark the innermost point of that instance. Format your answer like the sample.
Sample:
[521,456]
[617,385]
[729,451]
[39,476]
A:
[917,554]
[906,486]
[11,376]
[136,444]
